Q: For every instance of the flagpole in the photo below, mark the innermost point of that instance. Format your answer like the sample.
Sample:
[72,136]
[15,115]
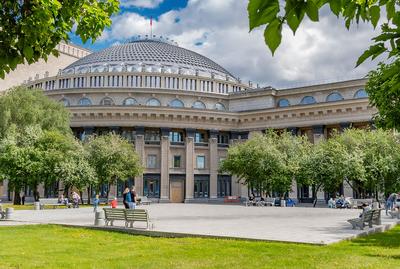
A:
[151,27]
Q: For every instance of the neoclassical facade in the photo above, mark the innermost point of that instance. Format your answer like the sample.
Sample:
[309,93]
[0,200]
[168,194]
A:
[181,111]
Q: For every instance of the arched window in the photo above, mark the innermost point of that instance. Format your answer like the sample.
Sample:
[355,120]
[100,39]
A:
[107,101]
[199,105]
[130,102]
[176,103]
[219,106]
[65,102]
[283,103]
[153,102]
[85,102]
[307,100]
[335,96]
[361,93]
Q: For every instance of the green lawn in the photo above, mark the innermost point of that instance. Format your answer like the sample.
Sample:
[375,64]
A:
[60,247]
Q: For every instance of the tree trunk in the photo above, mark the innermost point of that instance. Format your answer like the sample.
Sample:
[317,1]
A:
[81,195]
[17,196]
[89,193]
[108,192]
[314,194]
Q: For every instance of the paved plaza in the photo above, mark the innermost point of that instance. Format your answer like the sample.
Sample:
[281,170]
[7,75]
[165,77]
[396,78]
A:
[297,224]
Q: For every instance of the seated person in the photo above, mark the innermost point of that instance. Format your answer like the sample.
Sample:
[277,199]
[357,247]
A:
[331,203]
[365,208]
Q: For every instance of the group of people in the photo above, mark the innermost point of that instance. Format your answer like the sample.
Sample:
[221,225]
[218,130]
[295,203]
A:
[76,198]
[129,198]
[341,202]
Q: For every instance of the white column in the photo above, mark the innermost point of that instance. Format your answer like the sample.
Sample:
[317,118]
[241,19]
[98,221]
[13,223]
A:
[213,149]
[189,168]
[164,195]
[139,146]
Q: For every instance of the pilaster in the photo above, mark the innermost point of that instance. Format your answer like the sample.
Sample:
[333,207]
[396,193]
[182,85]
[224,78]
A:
[139,147]
[213,148]
[189,165]
[164,195]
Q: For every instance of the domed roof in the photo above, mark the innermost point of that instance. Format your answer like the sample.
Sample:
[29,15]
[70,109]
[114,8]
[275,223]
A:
[150,52]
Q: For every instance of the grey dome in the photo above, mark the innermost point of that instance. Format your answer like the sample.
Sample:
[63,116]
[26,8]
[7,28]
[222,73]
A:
[150,52]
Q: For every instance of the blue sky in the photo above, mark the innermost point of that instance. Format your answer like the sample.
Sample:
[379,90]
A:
[146,12]
[218,29]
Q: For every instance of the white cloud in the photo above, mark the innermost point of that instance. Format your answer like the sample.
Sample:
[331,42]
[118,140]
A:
[319,51]
[141,3]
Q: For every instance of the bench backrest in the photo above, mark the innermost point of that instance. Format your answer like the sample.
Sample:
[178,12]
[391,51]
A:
[114,213]
[359,202]
[367,216]
[376,213]
[48,201]
[136,215]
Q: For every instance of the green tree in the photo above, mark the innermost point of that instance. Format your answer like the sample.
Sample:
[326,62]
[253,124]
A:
[383,89]
[327,165]
[20,160]
[113,158]
[22,107]
[31,29]
[267,163]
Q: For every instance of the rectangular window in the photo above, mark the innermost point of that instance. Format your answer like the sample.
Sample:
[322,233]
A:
[176,136]
[177,161]
[200,137]
[152,136]
[224,187]
[223,138]
[200,162]
[151,161]
[151,185]
[201,186]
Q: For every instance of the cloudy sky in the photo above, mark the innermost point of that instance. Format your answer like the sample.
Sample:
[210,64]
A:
[218,29]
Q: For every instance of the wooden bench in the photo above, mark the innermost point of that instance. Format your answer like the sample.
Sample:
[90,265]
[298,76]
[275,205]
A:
[130,216]
[112,214]
[394,214]
[371,217]
[52,202]
[2,213]
[145,201]
[357,203]
[135,215]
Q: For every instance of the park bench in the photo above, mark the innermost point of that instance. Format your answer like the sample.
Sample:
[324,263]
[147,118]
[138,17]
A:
[2,213]
[136,215]
[112,214]
[52,202]
[370,217]
[394,214]
[231,199]
[145,201]
[130,216]
[357,203]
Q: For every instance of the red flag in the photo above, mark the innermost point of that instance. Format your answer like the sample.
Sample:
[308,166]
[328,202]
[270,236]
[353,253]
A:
[151,21]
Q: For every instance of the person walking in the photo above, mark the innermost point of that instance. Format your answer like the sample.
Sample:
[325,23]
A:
[133,196]
[390,202]
[127,198]
[96,202]
[75,199]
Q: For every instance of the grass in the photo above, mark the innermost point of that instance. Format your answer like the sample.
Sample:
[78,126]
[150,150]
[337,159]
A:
[51,246]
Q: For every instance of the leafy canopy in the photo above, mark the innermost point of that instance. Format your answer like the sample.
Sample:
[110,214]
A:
[31,29]
[22,107]
[269,13]
[112,158]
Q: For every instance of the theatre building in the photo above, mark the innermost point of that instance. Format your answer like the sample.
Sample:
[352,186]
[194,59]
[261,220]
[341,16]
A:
[181,111]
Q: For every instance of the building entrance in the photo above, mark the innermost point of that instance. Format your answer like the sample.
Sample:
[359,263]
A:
[177,191]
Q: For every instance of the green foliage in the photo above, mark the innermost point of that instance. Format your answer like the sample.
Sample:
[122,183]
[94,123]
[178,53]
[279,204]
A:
[21,107]
[266,162]
[383,90]
[112,158]
[269,13]
[30,30]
